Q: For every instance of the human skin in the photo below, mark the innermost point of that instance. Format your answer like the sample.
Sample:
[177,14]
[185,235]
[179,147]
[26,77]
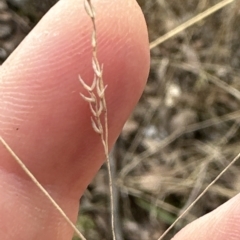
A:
[47,124]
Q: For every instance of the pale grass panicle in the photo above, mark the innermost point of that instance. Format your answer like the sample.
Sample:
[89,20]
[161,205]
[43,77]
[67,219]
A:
[97,104]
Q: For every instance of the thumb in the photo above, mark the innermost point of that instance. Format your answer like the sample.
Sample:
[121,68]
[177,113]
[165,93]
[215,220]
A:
[222,223]
[47,124]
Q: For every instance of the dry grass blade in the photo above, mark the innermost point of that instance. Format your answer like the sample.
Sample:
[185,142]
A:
[176,134]
[203,192]
[190,22]
[97,104]
[42,189]
[207,93]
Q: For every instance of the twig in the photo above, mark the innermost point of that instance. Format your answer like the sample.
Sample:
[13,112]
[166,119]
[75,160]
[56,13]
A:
[43,190]
[97,104]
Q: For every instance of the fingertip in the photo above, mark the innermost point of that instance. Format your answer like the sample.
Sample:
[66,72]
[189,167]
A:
[42,116]
[40,87]
[222,223]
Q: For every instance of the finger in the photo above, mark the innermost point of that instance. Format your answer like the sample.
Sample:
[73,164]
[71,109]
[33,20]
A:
[43,118]
[222,223]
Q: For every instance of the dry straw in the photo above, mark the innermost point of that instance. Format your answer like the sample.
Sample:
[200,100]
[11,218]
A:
[190,23]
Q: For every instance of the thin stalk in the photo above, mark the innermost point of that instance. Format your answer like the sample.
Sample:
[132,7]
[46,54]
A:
[98,106]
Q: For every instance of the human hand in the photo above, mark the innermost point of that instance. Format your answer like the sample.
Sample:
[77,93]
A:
[220,224]
[47,124]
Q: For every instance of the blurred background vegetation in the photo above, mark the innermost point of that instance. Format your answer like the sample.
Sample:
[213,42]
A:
[183,132]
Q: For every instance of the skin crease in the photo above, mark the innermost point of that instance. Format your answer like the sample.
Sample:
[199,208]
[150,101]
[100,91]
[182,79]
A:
[47,124]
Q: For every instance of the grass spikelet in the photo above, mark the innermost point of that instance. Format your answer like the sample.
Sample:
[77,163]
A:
[97,103]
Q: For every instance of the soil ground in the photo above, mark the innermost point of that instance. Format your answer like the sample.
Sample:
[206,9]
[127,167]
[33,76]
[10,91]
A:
[183,132]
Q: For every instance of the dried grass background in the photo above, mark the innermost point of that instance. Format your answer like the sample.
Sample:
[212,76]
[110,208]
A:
[183,132]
